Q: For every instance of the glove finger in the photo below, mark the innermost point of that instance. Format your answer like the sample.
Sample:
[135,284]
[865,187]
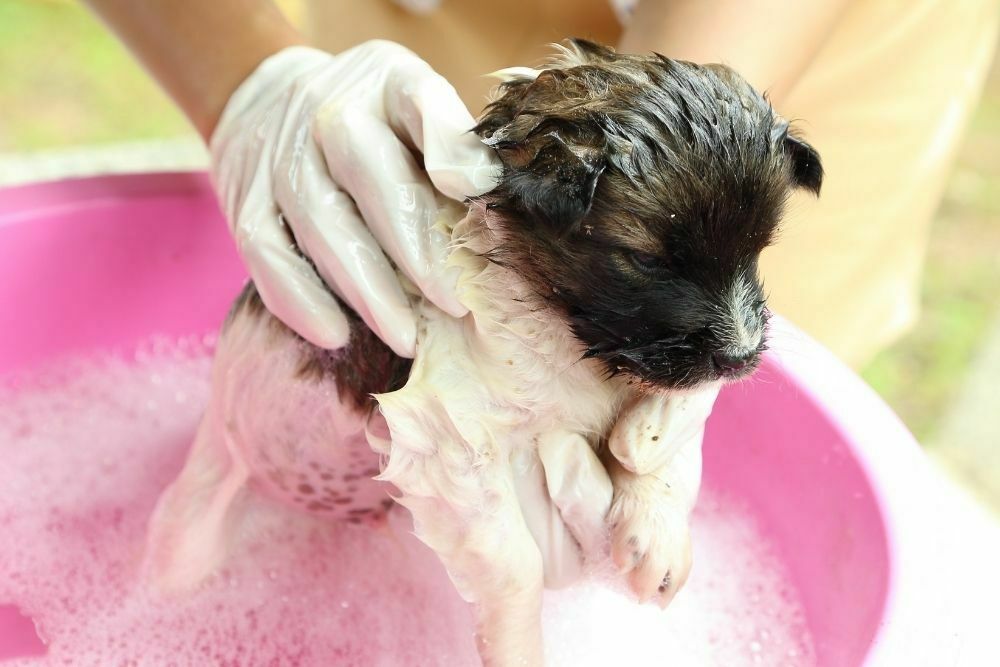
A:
[330,232]
[288,286]
[579,487]
[424,109]
[367,160]
[562,562]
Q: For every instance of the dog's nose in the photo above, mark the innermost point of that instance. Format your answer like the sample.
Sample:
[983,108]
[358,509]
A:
[729,364]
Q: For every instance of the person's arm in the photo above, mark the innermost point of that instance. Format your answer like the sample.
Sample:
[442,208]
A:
[199,51]
[769,42]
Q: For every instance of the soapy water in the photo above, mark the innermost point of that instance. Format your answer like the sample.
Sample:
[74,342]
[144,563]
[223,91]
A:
[86,448]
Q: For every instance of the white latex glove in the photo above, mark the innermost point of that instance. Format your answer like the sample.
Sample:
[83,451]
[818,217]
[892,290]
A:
[309,149]
[565,494]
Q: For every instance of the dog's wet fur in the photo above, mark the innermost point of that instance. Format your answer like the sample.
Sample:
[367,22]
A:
[365,366]
[638,193]
[636,196]
[614,265]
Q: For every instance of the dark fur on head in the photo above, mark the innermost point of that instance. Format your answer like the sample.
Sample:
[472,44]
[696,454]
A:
[636,197]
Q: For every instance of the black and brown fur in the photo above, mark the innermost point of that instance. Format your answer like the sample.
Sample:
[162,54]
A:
[636,191]
[363,367]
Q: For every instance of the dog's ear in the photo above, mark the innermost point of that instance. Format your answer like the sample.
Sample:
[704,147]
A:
[807,169]
[551,180]
[551,165]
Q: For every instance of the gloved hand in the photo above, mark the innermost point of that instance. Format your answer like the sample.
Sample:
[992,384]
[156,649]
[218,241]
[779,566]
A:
[565,494]
[309,149]
[565,491]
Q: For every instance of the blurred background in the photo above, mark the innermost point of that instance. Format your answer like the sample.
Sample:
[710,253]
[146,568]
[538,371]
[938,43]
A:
[72,102]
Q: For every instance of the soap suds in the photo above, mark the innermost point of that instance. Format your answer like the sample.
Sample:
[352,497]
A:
[88,446]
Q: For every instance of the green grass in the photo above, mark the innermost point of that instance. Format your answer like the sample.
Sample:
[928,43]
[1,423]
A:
[66,81]
[922,373]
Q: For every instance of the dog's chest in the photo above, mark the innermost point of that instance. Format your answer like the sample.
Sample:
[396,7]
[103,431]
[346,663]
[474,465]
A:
[496,381]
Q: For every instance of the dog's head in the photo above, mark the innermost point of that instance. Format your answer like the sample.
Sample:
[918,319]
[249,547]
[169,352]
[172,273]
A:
[636,197]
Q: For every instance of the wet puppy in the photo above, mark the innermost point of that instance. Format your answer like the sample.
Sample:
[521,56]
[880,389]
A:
[611,277]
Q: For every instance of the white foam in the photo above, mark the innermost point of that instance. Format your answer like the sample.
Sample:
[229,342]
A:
[87,447]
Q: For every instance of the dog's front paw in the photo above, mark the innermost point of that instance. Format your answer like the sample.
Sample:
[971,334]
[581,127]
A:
[650,540]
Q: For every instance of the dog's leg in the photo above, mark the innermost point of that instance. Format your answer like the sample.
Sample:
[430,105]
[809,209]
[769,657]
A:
[465,508]
[650,539]
[195,518]
[654,460]
[284,413]
[495,564]
[509,615]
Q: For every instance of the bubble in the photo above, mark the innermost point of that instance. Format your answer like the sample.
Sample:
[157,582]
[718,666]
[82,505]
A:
[88,445]
[737,583]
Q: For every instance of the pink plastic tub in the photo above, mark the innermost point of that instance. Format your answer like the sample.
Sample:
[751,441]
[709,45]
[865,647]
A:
[836,479]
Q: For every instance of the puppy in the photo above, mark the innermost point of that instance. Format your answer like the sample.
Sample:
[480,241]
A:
[610,276]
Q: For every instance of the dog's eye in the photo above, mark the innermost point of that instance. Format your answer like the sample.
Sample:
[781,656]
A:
[645,261]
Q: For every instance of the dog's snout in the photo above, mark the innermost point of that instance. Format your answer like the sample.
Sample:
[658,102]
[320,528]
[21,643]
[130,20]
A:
[730,364]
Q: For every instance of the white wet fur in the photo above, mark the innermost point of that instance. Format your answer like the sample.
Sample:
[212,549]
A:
[485,391]
[747,329]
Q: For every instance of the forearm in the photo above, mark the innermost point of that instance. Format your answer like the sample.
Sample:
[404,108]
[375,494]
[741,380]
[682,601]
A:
[770,42]
[199,50]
